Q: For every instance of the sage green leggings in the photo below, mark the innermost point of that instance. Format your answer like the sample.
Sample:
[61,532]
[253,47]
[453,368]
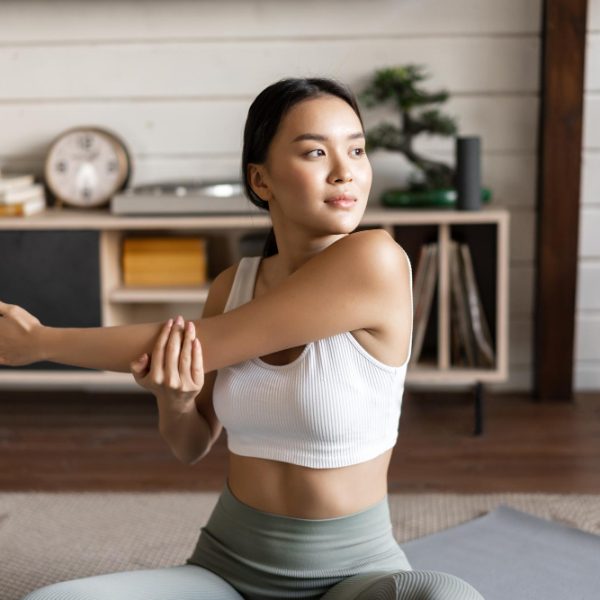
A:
[244,553]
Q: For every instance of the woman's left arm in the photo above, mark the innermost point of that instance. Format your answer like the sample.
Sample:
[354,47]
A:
[24,340]
[356,283]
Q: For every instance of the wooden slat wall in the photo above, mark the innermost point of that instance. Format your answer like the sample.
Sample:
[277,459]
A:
[175,80]
[587,326]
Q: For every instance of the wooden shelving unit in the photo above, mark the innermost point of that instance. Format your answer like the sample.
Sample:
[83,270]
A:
[485,231]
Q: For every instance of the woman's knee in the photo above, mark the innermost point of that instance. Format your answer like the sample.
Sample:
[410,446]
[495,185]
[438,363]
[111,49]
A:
[437,585]
[416,585]
[181,582]
[63,590]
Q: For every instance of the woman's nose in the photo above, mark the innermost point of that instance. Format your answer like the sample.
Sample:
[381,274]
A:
[347,176]
[341,172]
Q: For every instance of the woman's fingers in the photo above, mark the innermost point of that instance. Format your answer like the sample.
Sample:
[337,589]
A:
[185,358]
[176,361]
[197,363]
[174,371]
[158,353]
[139,368]
[191,372]
[172,351]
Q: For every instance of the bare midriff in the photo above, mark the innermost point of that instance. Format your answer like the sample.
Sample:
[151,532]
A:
[296,491]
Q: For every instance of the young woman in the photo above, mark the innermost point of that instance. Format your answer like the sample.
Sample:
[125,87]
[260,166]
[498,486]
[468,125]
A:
[301,354]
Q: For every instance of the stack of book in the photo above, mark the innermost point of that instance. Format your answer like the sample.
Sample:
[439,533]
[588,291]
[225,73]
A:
[471,342]
[164,261]
[20,196]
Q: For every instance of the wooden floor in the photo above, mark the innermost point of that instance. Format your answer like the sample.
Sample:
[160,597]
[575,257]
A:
[78,441]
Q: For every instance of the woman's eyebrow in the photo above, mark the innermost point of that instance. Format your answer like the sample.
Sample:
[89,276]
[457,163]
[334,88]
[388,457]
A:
[322,138]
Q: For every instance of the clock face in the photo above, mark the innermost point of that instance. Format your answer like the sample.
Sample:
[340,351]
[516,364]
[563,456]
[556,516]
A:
[86,166]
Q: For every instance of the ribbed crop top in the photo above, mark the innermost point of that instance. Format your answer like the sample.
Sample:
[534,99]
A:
[334,405]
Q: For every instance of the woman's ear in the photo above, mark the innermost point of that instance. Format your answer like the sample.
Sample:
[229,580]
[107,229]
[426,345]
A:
[257,181]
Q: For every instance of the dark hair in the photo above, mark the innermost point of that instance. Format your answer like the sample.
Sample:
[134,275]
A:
[265,114]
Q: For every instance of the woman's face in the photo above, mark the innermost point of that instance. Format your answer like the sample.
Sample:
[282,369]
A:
[317,152]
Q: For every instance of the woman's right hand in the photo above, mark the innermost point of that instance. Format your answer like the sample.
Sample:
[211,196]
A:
[174,372]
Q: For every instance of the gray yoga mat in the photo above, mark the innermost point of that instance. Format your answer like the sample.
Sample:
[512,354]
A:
[509,554]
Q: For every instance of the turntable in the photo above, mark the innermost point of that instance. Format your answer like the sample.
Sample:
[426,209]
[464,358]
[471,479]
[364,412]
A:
[184,197]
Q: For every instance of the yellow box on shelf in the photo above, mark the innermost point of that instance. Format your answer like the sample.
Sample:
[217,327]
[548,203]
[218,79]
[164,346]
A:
[164,261]
[163,278]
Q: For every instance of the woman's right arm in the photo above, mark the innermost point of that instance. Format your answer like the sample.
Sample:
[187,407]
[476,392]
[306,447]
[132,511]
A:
[175,375]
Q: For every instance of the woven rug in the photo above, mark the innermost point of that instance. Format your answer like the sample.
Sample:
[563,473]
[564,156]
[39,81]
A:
[48,537]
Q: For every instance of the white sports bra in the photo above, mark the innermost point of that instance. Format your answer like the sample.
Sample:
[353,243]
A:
[334,405]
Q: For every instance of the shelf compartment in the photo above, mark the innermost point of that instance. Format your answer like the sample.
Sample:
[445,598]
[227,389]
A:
[411,237]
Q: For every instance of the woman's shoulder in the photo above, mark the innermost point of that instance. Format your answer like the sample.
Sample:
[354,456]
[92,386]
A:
[219,290]
[387,268]
[374,249]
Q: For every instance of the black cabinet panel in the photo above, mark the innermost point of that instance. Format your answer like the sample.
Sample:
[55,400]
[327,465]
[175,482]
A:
[55,275]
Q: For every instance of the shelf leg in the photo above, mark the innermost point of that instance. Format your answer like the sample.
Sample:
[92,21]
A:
[478,408]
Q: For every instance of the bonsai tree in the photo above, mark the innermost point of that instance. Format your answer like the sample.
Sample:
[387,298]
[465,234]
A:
[400,85]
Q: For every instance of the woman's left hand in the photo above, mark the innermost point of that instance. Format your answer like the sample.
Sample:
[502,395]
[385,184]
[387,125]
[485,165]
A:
[19,336]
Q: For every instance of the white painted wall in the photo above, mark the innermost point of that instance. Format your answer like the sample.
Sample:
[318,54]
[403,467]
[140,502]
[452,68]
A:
[587,320]
[175,79]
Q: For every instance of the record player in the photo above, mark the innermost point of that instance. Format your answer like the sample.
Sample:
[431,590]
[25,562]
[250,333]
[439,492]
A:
[184,197]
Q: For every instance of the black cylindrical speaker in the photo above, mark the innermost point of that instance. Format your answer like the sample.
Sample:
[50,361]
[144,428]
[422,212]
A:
[468,173]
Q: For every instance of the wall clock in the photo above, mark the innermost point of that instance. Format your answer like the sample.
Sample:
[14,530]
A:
[86,166]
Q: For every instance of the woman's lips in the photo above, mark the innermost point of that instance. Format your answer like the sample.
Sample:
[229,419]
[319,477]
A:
[341,201]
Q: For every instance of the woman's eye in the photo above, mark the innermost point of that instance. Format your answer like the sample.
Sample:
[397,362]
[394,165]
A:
[311,153]
[361,151]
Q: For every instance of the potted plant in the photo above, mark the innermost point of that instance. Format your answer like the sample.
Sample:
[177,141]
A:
[433,182]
